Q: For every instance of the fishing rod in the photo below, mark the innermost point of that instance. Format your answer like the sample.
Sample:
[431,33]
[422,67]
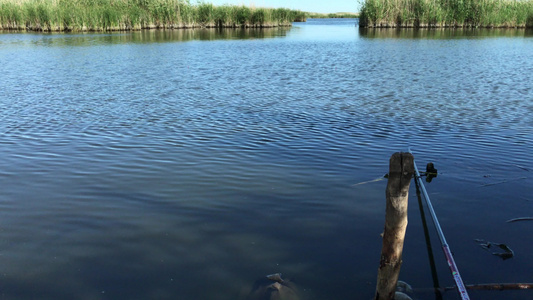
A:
[447,252]
[434,275]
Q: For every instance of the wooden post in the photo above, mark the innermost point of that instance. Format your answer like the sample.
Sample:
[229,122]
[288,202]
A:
[401,170]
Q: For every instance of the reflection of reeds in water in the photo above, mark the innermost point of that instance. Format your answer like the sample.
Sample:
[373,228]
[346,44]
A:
[442,33]
[103,15]
[168,36]
[446,13]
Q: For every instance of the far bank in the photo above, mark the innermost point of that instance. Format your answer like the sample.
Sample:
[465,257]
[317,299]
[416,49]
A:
[450,13]
[123,15]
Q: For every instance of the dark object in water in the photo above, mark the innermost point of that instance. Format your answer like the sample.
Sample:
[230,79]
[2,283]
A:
[431,172]
[430,168]
[497,249]
[273,287]
[275,277]
[402,290]
[500,286]
[492,287]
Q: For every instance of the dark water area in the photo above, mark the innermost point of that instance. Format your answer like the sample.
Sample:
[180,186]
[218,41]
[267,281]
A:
[189,164]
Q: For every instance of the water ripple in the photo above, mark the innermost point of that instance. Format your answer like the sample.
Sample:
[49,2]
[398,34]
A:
[180,148]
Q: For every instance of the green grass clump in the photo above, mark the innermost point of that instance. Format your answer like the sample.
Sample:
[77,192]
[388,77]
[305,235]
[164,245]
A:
[106,15]
[446,13]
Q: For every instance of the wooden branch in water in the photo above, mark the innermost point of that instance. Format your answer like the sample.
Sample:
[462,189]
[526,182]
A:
[520,219]
[485,286]
[496,286]
[500,286]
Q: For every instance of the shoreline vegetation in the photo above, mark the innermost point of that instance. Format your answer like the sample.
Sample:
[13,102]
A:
[126,15]
[447,13]
[339,15]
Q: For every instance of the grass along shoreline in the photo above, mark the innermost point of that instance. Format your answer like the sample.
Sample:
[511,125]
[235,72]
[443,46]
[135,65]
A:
[123,15]
[447,13]
[339,15]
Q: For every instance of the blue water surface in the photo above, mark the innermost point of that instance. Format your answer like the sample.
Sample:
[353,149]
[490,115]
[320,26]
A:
[188,164]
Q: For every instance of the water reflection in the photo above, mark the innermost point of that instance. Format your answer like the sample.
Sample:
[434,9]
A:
[442,33]
[158,36]
[140,37]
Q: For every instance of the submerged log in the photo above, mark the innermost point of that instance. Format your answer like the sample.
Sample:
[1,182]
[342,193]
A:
[483,286]
[273,287]
[401,170]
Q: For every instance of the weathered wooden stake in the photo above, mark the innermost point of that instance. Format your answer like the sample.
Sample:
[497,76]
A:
[401,170]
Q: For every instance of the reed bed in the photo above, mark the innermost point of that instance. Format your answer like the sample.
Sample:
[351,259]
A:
[447,13]
[339,15]
[110,15]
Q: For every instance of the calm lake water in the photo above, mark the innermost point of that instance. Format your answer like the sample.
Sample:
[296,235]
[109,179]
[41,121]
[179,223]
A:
[189,164]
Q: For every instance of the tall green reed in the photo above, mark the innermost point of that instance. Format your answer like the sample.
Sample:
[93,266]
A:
[101,15]
[447,13]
